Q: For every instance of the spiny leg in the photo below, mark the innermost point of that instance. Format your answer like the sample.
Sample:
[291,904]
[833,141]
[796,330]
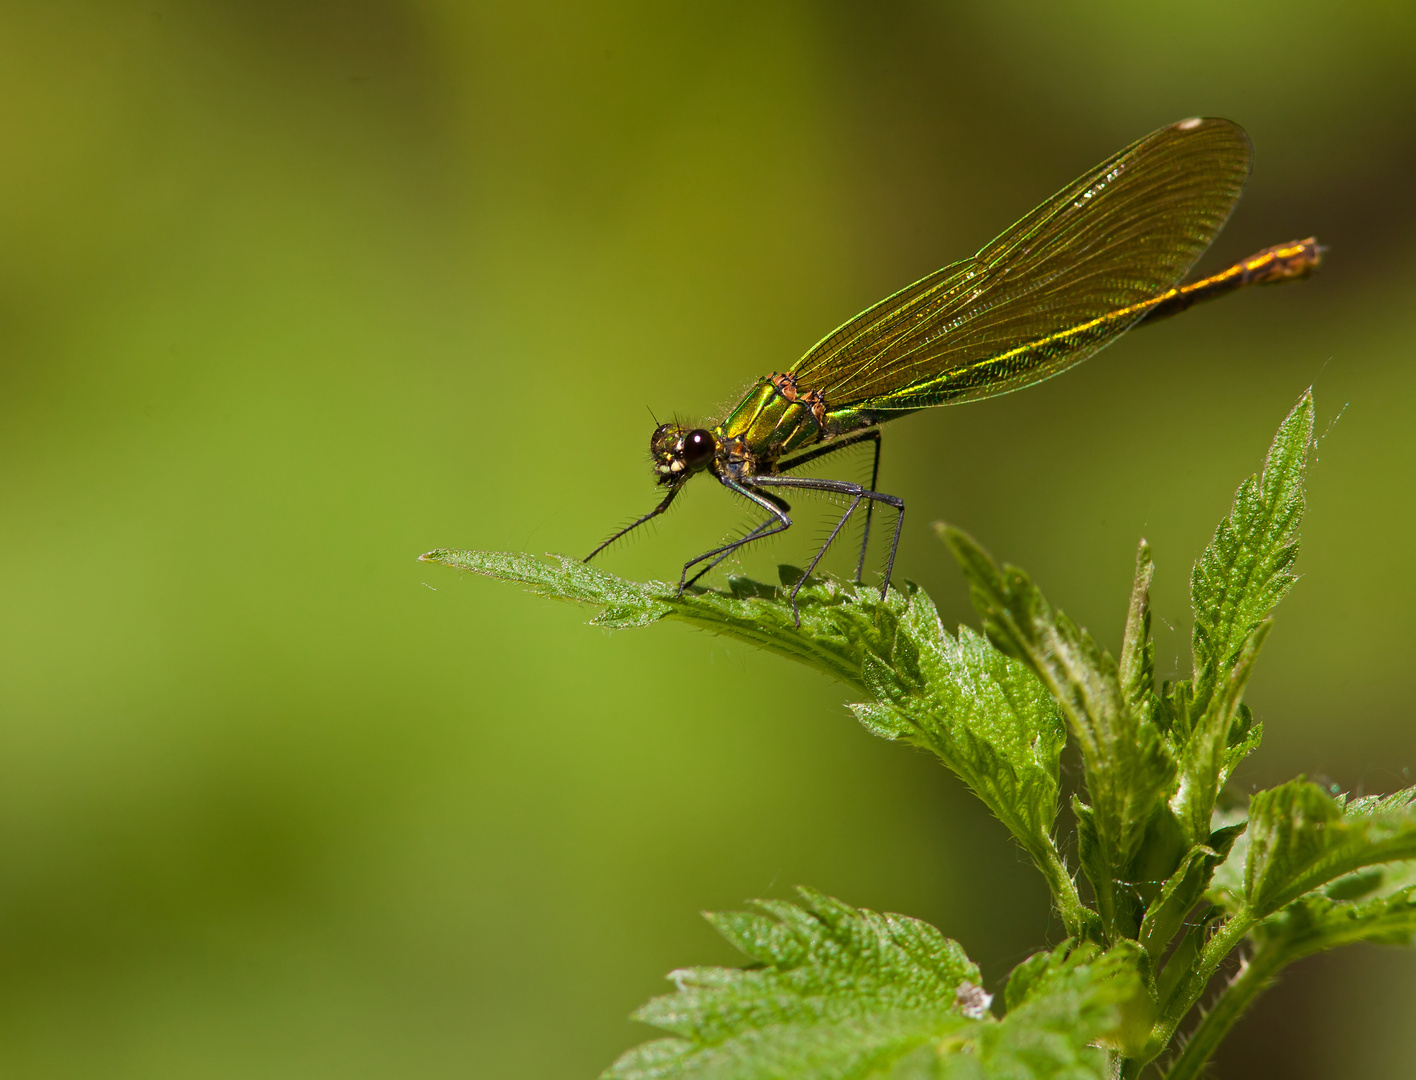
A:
[872,435]
[811,567]
[779,522]
[635,524]
[858,492]
[869,511]
[754,534]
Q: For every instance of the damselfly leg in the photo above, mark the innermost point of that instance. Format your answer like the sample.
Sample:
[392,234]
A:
[871,435]
[858,494]
[778,522]
[756,533]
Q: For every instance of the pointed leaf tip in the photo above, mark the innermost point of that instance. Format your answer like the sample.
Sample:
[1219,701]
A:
[1244,571]
[839,624]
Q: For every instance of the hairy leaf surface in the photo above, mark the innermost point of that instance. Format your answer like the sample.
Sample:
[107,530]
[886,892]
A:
[1127,763]
[840,993]
[988,718]
[1246,568]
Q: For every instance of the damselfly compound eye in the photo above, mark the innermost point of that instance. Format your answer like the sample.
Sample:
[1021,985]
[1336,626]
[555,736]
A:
[698,448]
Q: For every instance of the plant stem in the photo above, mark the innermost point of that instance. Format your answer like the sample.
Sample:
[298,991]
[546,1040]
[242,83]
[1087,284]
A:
[1078,919]
[1225,940]
[1253,977]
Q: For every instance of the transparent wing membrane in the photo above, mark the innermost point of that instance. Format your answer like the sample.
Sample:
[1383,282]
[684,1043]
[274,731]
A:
[1051,290]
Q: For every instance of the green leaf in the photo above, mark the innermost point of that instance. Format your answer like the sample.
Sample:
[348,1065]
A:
[1244,738]
[1126,761]
[1315,924]
[1174,717]
[1239,577]
[988,718]
[839,993]
[1300,838]
[1375,805]
[625,603]
[1136,668]
[1216,743]
[1376,905]
[1059,1005]
[836,992]
[1245,571]
[1029,975]
[840,624]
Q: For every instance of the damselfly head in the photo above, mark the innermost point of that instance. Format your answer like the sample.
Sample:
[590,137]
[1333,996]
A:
[678,451]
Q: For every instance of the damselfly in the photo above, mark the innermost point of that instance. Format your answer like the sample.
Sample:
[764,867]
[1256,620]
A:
[1103,254]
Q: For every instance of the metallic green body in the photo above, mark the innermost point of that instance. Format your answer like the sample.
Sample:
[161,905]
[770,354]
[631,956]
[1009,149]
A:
[765,426]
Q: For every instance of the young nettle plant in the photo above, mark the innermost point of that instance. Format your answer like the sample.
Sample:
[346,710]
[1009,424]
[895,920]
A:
[1174,886]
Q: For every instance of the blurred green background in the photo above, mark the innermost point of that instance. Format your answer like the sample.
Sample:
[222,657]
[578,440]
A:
[291,291]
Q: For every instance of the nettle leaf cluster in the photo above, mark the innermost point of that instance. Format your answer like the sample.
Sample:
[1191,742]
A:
[1172,886]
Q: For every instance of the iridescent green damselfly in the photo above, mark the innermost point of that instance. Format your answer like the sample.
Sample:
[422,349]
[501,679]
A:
[1105,253]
